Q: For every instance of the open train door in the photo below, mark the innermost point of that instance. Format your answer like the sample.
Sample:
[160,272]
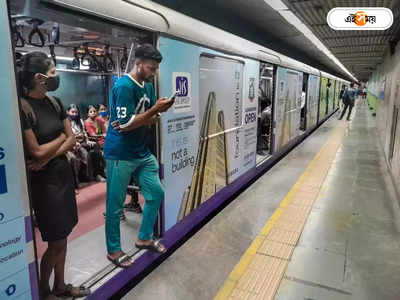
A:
[304,101]
[265,111]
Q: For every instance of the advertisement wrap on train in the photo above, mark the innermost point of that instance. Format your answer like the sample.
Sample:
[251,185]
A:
[14,269]
[206,143]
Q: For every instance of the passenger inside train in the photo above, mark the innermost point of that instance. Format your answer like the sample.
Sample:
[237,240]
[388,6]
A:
[86,157]
[48,137]
[95,126]
[134,110]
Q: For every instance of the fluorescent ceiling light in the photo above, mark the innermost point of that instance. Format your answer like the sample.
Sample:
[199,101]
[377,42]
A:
[292,19]
[276,4]
[63,57]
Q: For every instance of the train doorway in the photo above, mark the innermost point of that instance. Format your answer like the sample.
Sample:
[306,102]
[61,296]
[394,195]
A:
[304,96]
[265,112]
[90,54]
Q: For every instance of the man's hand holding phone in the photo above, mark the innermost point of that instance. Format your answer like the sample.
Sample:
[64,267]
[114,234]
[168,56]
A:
[164,104]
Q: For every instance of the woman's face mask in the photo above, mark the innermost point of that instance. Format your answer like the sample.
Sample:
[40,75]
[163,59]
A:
[52,82]
[103,114]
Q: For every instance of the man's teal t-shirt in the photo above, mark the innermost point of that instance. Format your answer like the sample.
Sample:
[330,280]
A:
[128,98]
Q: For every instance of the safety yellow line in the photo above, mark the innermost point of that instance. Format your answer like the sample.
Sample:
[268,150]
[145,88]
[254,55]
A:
[241,267]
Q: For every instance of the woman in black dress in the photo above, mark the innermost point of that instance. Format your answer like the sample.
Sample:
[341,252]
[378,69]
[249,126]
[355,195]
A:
[48,136]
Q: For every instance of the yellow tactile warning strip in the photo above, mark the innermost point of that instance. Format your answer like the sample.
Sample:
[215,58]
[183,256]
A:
[259,272]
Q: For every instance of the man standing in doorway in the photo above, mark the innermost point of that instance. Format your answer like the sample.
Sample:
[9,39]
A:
[133,109]
[349,97]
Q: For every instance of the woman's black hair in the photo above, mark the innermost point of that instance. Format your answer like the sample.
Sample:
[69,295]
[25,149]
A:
[71,106]
[91,106]
[31,64]
[99,105]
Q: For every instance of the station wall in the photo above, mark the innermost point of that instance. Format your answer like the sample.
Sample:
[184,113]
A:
[384,98]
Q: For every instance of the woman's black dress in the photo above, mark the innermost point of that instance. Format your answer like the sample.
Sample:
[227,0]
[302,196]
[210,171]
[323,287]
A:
[52,188]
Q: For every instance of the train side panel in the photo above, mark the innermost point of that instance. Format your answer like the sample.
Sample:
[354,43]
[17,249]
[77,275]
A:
[209,137]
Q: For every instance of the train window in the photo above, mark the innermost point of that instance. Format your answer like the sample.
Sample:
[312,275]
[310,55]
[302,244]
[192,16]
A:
[89,55]
[265,103]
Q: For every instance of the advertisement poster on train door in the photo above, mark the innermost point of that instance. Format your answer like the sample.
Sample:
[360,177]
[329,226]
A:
[332,95]
[337,93]
[209,137]
[295,81]
[331,99]
[312,100]
[287,106]
[323,99]
[14,270]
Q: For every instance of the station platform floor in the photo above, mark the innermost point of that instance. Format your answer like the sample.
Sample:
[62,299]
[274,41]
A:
[321,224]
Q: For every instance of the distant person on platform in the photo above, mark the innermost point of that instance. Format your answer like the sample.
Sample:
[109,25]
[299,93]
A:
[364,93]
[133,109]
[349,97]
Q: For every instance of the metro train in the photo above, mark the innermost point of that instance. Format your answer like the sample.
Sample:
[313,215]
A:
[240,107]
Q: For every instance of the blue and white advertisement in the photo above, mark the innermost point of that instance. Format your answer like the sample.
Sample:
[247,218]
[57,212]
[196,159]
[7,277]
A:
[14,271]
[312,100]
[209,137]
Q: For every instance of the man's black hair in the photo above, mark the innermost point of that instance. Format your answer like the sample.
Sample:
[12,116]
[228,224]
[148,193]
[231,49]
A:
[147,51]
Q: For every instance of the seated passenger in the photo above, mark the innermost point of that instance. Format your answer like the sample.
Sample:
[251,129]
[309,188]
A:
[103,114]
[86,154]
[48,136]
[95,126]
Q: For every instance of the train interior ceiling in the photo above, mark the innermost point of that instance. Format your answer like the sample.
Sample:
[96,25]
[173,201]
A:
[90,55]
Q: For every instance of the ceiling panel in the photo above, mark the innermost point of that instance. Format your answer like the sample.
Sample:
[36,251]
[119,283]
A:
[352,48]
[258,14]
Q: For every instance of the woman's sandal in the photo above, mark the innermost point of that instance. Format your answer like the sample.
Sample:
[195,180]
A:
[67,293]
[119,261]
[155,246]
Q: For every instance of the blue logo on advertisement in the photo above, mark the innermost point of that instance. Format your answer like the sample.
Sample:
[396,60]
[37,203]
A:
[3,182]
[182,86]
[12,288]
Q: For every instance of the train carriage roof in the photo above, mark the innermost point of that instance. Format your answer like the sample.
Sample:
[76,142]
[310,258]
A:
[151,16]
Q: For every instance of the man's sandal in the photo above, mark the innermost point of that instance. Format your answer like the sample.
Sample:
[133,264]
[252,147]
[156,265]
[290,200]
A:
[155,246]
[120,261]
